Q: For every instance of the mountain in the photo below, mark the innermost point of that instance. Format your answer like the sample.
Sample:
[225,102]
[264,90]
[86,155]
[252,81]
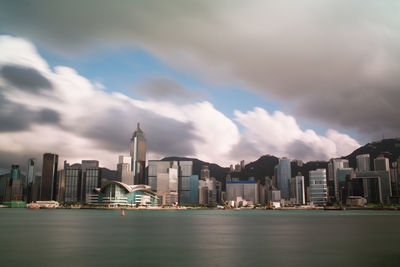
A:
[108,174]
[390,148]
[264,166]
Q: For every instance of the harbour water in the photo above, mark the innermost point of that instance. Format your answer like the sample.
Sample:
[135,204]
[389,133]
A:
[199,238]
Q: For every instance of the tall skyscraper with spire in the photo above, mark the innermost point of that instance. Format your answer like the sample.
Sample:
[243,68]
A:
[138,155]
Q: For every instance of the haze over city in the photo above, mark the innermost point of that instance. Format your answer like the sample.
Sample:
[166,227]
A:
[219,81]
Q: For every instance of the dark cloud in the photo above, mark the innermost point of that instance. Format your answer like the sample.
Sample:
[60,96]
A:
[13,117]
[48,116]
[300,150]
[166,89]
[16,117]
[9,158]
[25,78]
[114,130]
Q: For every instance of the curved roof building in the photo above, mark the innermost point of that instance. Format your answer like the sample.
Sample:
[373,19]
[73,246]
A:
[116,193]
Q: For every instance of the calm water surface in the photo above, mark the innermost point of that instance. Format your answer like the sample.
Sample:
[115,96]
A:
[199,238]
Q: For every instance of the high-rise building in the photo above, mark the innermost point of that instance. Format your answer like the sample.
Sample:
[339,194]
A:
[318,187]
[300,190]
[173,181]
[16,184]
[163,179]
[242,165]
[333,166]
[124,173]
[381,163]
[91,178]
[211,185]
[373,185]
[245,190]
[184,179]
[363,163]
[30,177]
[81,180]
[49,182]
[138,154]
[343,174]
[73,181]
[203,194]
[283,173]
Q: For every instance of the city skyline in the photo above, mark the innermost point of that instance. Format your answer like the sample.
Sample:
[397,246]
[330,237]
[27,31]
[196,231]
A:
[237,89]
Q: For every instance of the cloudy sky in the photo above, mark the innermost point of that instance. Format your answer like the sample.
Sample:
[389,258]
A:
[217,80]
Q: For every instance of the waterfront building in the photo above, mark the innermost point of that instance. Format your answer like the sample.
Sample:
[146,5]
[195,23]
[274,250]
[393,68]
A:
[30,177]
[333,166]
[4,181]
[283,173]
[163,179]
[246,190]
[274,195]
[394,178]
[194,190]
[299,189]
[184,182]
[211,185]
[138,155]
[375,186]
[61,186]
[218,188]
[318,187]
[73,182]
[115,193]
[203,194]
[343,174]
[16,184]
[124,170]
[49,181]
[81,180]
[91,178]
[381,163]
[173,181]
[363,163]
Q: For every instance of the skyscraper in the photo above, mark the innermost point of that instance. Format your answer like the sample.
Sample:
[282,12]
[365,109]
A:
[299,189]
[363,163]
[138,154]
[318,187]
[124,170]
[30,177]
[91,178]
[16,183]
[333,166]
[283,173]
[49,183]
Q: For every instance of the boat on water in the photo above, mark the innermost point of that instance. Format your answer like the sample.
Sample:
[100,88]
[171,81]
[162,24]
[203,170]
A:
[33,206]
[123,213]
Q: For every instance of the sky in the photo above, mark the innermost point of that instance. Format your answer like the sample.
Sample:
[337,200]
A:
[220,81]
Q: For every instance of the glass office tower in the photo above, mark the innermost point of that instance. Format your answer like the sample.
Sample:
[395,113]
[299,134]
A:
[283,173]
[49,182]
[318,187]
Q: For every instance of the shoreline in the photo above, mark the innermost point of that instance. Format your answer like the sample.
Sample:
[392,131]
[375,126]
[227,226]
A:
[234,209]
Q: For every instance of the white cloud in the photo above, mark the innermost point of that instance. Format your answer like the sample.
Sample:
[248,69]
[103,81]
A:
[279,134]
